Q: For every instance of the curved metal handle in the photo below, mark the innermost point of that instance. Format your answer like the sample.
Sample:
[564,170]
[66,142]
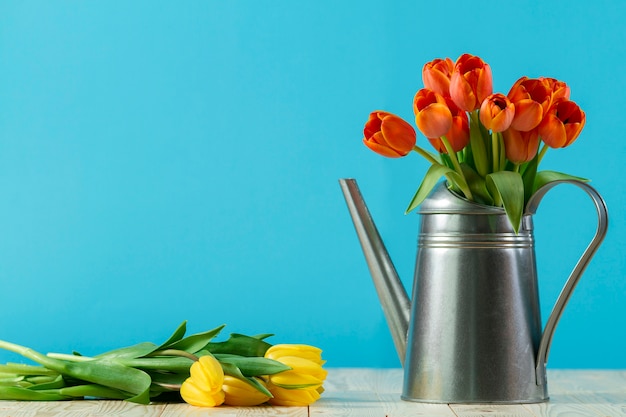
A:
[570,284]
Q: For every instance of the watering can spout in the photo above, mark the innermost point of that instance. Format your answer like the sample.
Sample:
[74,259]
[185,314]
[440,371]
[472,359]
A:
[391,292]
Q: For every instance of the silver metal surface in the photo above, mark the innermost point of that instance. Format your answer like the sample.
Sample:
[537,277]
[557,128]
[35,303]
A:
[474,332]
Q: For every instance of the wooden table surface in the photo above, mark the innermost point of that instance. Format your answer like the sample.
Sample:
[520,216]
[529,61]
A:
[376,393]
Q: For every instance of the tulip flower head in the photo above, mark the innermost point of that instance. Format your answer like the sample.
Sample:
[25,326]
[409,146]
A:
[432,115]
[388,135]
[204,387]
[532,98]
[558,89]
[471,82]
[240,393]
[562,124]
[302,384]
[520,146]
[436,75]
[293,397]
[458,135]
[497,112]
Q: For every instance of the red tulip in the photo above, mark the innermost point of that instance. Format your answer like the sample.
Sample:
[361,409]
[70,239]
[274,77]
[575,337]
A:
[497,112]
[436,75]
[388,135]
[458,135]
[520,146]
[531,98]
[432,115]
[562,124]
[471,82]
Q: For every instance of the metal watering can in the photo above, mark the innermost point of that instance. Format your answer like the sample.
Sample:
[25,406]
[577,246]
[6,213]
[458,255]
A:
[472,333]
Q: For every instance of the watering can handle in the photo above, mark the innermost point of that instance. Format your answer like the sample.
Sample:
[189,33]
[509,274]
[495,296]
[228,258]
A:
[570,284]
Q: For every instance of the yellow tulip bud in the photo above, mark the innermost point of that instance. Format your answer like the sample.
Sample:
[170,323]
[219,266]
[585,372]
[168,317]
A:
[238,392]
[302,385]
[204,387]
[294,397]
[311,353]
[304,373]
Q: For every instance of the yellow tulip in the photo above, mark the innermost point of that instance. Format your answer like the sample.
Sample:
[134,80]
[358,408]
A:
[294,397]
[204,387]
[303,373]
[311,353]
[302,385]
[238,392]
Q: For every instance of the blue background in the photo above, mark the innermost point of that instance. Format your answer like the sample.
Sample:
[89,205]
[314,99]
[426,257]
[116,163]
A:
[169,161]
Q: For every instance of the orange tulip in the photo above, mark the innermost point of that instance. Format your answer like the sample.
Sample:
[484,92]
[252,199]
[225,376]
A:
[471,82]
[531,98]
[560,91]
[436,75]
[520,146]
[432,115]
[389,135]
[458,135]
[497,112]
[562,124]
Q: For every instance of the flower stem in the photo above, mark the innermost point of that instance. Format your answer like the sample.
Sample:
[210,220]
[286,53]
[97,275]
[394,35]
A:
[68,357]
[457,167]
[495,152]
[542,152]
[426,155]
[174,352]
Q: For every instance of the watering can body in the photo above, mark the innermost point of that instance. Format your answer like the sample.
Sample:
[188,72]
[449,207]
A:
[471,332]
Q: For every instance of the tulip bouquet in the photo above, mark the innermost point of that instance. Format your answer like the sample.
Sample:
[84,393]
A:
[241,371]
[489,145]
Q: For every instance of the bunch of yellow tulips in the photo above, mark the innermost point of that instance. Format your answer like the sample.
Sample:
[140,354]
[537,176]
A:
[241,371]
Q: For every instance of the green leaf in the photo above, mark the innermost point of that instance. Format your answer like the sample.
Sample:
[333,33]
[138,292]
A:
[544,177]
[167,378]
[253,366]
[242,345]
[176,364]
[235,372]
[113,374]
[57,382]
[477,185]
[22,369]
[94,390]
[135,351]
[178,334]
[529,172]
[24,394]
[195,342]
[508,188]
[479,147]
[432,177]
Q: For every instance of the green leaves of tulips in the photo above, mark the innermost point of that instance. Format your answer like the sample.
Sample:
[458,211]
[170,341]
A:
[481,173]
[138,373]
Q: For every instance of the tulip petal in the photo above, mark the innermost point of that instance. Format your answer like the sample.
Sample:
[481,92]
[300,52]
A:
[381,149]
[528,114]
[435,120]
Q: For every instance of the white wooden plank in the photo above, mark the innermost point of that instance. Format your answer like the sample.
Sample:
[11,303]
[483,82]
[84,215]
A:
[186,410]
[490,410]
[562,405]
[574,381]
[78,409]
[369,392]
[608,404]
[371,404]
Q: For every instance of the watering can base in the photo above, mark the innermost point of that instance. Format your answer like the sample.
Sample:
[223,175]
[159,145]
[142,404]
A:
[475,401]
